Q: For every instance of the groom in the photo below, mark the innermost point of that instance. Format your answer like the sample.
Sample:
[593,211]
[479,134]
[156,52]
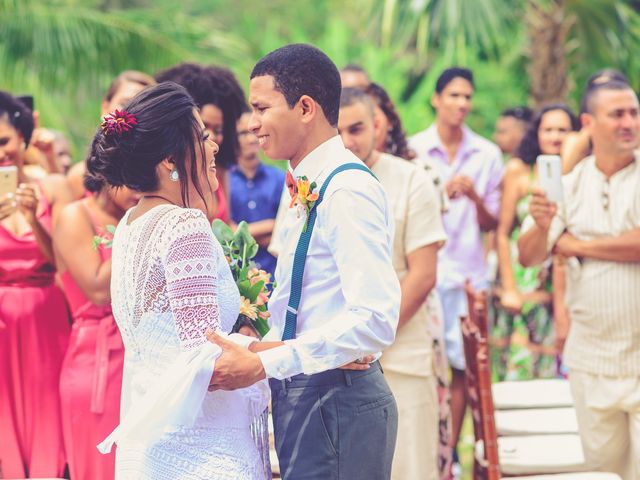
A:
[337,299]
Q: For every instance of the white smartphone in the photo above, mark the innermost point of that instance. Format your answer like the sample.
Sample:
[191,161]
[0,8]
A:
[8,180]
[550,176]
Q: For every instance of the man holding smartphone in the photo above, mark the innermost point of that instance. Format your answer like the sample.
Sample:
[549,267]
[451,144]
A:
[598,228]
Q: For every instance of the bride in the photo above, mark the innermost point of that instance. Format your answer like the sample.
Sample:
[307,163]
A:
[170,287]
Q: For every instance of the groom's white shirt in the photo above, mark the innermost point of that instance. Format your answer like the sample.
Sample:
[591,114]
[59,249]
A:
[350,299]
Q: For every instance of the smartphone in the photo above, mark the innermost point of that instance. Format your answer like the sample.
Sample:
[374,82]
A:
[550,176]
[8,180]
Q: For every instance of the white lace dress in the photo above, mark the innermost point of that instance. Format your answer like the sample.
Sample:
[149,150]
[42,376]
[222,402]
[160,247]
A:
[170,283]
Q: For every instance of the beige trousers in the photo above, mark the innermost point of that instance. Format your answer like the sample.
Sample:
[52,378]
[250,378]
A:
[416,454]
[608,410]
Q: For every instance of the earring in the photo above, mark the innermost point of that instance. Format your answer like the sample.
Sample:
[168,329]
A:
[174,176]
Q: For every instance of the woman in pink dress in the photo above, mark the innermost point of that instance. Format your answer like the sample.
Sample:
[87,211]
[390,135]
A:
[34,321]
[91,378]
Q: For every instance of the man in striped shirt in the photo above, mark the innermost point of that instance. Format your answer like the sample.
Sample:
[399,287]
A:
[598,228]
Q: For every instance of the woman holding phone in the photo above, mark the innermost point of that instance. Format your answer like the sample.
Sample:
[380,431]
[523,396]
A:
[34,322]
[524,294]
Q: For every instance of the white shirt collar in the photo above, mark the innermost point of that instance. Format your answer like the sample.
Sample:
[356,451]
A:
[315,163]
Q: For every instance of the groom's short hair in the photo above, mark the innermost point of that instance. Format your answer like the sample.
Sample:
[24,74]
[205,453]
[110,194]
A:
[300,69]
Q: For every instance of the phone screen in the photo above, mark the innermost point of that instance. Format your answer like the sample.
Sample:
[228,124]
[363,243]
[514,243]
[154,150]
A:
[550,176]
[8,180]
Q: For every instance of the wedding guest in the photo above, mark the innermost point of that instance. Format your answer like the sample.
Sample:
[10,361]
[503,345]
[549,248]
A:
[469,168]
[511,126]
[578,145]
[221,101]
[597,227]
[408,362]
[121,90]
[353,75]
[390,137]
[34,321]
[91,377]
[525,293]
[256,190]
[385,111]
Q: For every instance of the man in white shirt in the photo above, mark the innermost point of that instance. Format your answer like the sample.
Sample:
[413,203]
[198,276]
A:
[330,423]
[597,228]
[419,234]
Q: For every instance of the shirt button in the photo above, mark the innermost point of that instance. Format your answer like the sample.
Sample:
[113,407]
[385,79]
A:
[251,204]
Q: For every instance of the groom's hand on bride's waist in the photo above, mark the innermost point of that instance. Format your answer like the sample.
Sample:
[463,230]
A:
[236,367]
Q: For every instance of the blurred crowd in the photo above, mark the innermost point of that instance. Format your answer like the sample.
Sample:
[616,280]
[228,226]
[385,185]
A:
[563,277]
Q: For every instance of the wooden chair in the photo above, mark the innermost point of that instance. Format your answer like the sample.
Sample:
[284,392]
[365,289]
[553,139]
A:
[516,455]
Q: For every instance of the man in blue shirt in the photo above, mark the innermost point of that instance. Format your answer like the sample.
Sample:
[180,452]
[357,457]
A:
[255,193]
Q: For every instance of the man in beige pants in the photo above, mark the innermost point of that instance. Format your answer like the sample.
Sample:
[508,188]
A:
[419,233]
[597,228]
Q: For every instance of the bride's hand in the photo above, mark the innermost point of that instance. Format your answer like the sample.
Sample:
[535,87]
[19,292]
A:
[360,364]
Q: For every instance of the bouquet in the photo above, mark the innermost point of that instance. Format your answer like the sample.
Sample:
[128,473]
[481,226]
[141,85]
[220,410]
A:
[255,285]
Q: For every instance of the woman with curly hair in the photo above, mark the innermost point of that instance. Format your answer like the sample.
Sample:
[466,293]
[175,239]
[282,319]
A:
[221,102]
[525,293]
[392,138]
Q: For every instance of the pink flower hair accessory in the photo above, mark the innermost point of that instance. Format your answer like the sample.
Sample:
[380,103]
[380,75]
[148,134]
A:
[119,122]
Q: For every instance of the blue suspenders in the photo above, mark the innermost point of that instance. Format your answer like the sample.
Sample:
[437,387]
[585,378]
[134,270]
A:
[300,257]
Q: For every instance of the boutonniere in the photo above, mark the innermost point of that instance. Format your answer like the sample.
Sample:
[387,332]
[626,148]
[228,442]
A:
[305,197]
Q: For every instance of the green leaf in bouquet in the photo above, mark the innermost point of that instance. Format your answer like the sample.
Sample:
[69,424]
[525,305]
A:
[261,326]
[252,250]
[255,290]
[222,231]
[244,286]
[96,242]
[244,241]
[111,229]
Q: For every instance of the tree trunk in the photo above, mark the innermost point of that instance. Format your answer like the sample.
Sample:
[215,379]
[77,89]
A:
[548,27]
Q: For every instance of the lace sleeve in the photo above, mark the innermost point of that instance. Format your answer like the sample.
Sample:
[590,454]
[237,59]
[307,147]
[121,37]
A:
[191,278]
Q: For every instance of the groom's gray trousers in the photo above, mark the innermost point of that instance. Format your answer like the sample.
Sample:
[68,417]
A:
[339,424]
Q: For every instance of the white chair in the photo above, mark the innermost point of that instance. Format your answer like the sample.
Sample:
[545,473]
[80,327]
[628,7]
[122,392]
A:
[510,455]
[536,421]
[572,476]
[549,393]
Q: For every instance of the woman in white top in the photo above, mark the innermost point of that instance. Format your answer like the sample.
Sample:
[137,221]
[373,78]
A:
[170,285]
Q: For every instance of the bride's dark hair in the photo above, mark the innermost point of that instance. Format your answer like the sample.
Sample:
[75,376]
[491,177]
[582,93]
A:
[166,128]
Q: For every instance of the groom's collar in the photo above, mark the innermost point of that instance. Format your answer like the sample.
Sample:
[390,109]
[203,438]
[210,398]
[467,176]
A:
[316,162]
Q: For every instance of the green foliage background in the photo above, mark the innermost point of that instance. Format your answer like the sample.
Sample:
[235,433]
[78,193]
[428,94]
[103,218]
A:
[65,52]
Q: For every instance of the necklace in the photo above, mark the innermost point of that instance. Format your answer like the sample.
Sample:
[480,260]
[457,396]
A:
[159,196]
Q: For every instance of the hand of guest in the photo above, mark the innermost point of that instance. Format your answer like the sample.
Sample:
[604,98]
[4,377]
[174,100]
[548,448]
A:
[541,209]
[27,202]
[43,140]
[567,246]
[8,205]
[236,367]
[461,185]
[511,301]
[360,364]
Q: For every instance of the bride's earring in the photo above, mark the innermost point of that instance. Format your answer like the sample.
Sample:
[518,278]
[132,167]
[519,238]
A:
[174,176]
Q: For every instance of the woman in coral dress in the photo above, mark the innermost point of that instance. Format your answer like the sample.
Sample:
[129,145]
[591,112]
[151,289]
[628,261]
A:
[34,322]
[91,378]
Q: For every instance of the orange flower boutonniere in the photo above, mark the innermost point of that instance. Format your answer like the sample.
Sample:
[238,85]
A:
[305,197]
